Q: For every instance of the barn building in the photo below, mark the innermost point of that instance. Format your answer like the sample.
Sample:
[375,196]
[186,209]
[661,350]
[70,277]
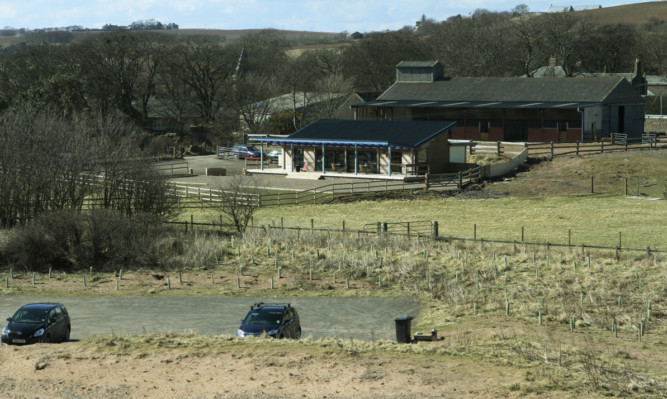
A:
[510,109]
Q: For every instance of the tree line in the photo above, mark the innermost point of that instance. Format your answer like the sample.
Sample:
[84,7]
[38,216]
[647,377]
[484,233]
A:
[50,162]
[221,84]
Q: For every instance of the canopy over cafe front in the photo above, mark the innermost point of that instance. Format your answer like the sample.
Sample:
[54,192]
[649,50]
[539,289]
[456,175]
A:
[366,148]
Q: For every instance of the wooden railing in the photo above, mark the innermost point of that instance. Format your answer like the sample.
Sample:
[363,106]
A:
[554,149]
[174,168]
[205,197]
[498,147]
[227,153]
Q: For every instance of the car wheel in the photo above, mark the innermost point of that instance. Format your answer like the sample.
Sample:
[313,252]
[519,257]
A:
[67,333]
[298,334]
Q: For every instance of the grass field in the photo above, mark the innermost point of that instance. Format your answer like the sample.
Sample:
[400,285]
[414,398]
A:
[540,321]
[552,202]
[589,219]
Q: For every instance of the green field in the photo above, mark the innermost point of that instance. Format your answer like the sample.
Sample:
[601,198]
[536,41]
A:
[588,220]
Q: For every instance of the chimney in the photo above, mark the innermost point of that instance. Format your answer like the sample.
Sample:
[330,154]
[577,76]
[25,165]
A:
[638,69]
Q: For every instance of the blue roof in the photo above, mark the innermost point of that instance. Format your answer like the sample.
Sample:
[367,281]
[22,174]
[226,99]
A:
[365,133]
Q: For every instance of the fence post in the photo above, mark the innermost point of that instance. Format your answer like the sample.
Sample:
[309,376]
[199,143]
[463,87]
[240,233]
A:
[312,226]
[460,180]
[435,229]
[498,147]
[577,147]
[426,181]
[551,151]
[522,236]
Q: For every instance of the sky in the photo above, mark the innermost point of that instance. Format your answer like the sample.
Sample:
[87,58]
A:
[306,15]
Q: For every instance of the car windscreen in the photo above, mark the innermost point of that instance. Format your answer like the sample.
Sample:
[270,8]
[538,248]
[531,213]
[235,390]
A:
[251,148]
[30,316]
[264,316]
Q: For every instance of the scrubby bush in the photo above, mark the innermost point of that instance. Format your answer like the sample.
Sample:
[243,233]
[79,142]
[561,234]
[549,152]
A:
[106,240]
[69,240]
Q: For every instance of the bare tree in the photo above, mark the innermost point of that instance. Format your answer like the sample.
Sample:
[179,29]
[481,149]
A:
[43,162]
[128,181]
[50,162]
[474,46]
[206,68]
[253,96]
[111,64]
[371,62]
[176,99]
[330,91]
[529,42]
[239,200]
[564,33]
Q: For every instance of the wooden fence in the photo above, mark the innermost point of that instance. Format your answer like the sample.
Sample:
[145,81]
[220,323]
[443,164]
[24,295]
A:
[453,180]
[422,229]
[227,153]
[173,168]
[619,143]
[497,147]
[200,197]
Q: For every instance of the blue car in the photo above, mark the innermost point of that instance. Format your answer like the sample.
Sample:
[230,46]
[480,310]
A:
[246,151]
[274,320]
[37,322]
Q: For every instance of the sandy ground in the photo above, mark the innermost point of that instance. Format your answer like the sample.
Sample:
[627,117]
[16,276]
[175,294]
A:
[73,371]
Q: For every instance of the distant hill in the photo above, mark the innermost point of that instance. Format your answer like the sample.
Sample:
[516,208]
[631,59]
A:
[301,40]
[629,13]
[294,38]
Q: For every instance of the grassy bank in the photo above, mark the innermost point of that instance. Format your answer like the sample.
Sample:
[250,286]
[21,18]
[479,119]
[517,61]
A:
[588,220]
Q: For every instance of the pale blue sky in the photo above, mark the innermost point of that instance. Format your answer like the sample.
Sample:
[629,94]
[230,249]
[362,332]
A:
[309,15]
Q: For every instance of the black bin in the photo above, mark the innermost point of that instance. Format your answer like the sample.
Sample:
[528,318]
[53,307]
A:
[403,329]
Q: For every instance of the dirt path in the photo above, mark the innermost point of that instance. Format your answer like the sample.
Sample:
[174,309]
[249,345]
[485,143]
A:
[74,371]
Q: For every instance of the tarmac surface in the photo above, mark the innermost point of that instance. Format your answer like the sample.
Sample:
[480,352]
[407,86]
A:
[366,319]
[235,167]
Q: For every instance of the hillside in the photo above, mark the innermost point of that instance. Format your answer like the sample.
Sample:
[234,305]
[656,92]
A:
[293,37]
[629,13]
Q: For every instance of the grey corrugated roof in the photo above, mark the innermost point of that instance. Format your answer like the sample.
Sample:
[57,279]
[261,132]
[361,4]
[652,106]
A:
[474,104]
[586,7]
[368,95]
[397,134]
[583,90]
[416,63]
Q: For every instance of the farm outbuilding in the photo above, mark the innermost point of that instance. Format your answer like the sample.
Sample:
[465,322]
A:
[377,149]
[510,109]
